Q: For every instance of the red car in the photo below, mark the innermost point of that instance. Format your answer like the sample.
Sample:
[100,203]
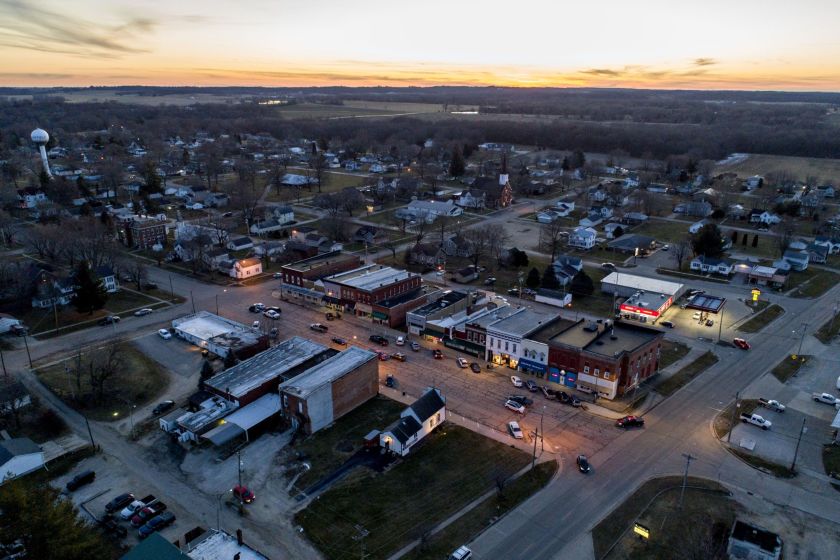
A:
[630,422]
[383,356]
[742,344]
[242,493]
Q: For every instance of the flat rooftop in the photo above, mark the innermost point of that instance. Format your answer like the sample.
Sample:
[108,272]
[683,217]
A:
[205,325]
[328,371]
[641,283]
[491,317]
[706,302]
[221,546]
[318,261]
[523,322]
[272,363]
[606,339]
[402,298]
[647,300]
[551,330]
[370,277]
[446,300]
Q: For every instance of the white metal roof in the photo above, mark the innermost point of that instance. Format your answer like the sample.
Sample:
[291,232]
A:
[642,283]
[327,371]
[249,416]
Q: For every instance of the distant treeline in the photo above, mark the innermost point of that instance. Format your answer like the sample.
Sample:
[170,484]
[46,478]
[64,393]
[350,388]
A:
[644,123]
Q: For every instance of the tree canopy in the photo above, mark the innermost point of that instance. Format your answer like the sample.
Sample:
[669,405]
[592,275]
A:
[90,292]
[582,284]
[533,279]
[708,241]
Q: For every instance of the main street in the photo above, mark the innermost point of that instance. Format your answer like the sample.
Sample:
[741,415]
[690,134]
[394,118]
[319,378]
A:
[552,523]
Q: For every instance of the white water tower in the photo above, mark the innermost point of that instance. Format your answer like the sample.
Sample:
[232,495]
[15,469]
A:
[40,138]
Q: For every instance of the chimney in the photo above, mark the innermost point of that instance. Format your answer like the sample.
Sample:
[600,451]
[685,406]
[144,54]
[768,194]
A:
[239,537]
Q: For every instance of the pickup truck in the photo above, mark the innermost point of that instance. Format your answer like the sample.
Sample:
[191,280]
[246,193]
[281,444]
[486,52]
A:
[756,420]
[826,398]
[772,404]
[135,506]
[147,513]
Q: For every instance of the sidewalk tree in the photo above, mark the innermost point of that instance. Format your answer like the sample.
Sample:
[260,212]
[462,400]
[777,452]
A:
[680,251]
[549,279]
[90,292]
[533,280]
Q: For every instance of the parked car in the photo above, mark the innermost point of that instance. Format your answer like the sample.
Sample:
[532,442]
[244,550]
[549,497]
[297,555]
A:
[475,367]
[437,354]
[164,334]
[517,382]
[515,406]
[532,386]
[550,394]
[165,519]
[110,526]
[318,327]
[608,266]
[243,494]
[462,363]
[340,341]
[400,341]
[583,464]
[255,325]
[515,430]
[462,553]
[379,339]
[256,307]
[630,422]
[163,407]
[668,324]
[741,343]
[147,513]
[490,281]
[415,347]
[696,315]
[389,380]
[756,420]
[513,292]
[826,398]
[521,399]
[329,316]
[273,332]
[772,404]
[109,320]
[399,356]
[80,480]
[665,247]
[277,275]
[383,356]
[132,508]
[271,314]
[119,502]
[227,214]
[710,323]
[144,311]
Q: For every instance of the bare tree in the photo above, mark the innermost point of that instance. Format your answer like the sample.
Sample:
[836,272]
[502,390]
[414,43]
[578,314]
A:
[318,165]
[8,229]
[497,238]
[351,199]
[336,228]
[551,237]
[137,271]
[479,243]
[48,242]
[784,236]
[329,202]
[103,367]
[245,197]
[420,228]
[681,250]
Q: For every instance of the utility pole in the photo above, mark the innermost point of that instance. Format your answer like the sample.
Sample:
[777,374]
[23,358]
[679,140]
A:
[239,472]
[534,456]
[171,291]
[688,459]
[90,433]
[542,437]
[720,324]
[802,430]
[802,339]
[28,355]
[362,533]
[192,301]
[3,360]
[734,412]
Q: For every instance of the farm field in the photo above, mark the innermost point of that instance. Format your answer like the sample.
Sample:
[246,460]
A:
[827,170]
[356,109]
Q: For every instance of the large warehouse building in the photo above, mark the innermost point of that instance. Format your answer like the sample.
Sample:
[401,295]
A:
[219,335]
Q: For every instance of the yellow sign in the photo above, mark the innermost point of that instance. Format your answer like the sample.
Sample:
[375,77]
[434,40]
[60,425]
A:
[642,531]
[755,294]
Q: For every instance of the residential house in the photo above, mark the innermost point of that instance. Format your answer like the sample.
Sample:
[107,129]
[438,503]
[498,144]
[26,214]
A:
[591,220]
[295,180]
[566,267]
[427,254]
[750,542]
[634,218]
[109,279]
[283,213]
[466,275]
[564,208]
[269,249]
[702,263]
[582,238]
[826,191]
[763,217]
[754,182]
[700,209]
[370,235]
[246,268]
[798,260]
[51,290]
[497,192]
[697,226]
[632,181]
[217,199]
[428,210]
[268,225]
[613,228]
[547,216]
[736,211]
[19,456]
[457,246]
[30,197]
[415,423]
[213,258]
[831,243]
[817,253]
[239,243]
[471,199]
[598,195]
[604,211]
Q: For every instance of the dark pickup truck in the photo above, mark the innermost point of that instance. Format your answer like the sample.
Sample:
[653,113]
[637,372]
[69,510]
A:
[147,513]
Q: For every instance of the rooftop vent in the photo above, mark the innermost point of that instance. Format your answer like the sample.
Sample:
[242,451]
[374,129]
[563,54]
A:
[591,327]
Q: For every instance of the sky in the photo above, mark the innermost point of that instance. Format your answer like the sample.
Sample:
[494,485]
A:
[670,44]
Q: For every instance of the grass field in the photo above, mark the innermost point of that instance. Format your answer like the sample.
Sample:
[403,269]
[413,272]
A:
[670,386]
[761,319]
[828,331]
[468,526]
[96,96]
[723,421]
[328,449]
[706,516]
[671,352]
[827,170]
[138,381]
[831,458]
[401,504]
[812,282]
[664,230]
[356,109]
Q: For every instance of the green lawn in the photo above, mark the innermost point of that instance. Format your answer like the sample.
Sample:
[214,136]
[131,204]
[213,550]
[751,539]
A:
[328,449]
[468,526]
[723,421]
[788,367]
[706,508]
[664,230]
[831,458]
[812,282]
[395,507]
[782,471]
[671,385]
[126,301]
[828,331]
[671,352]
[761,319]
[138,380]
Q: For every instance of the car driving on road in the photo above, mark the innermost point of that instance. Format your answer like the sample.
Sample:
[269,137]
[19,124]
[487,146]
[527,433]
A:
[144,311]
[318,327]
[741,343]
[583,464]
[164,334]
[163,407]
[630,422]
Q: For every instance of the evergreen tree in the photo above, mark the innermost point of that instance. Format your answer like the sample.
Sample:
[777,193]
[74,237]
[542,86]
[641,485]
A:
[43,178]
[734,236]
[549,279]
[206,370]
[618,232]
[746,238]
[708,241]
[90,292]
[755,240]
[456,164]
[533,280]
[582,285]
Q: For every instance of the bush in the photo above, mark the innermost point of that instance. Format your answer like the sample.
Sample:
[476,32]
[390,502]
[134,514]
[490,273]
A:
[51,423]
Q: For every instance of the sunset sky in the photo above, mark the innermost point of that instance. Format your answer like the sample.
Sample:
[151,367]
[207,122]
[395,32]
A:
[689,44]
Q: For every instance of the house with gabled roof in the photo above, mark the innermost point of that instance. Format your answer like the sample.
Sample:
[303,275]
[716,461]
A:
[416,422]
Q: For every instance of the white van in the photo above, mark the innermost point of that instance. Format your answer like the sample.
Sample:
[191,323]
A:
[461,554]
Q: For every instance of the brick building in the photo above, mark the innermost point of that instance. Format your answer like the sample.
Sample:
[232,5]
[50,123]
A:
[143,234]
[357,290]
[608,358]
[308,270]
[324,393]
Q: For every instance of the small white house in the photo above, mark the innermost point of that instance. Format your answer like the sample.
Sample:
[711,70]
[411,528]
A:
[563,209]
[582,238]
[416,422]
[798,260]
[702,263]
[18,457]
[697,226]
[246,268]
